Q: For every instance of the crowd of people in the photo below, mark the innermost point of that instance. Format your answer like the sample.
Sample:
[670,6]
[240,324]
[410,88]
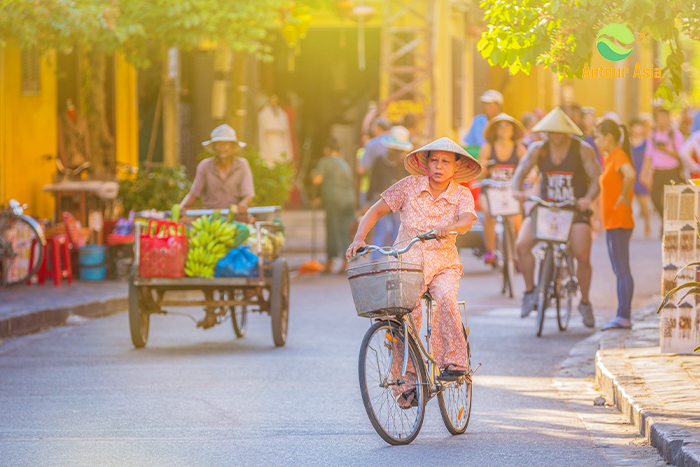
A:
[569,154]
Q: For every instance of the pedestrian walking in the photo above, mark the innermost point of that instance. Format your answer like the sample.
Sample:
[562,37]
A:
[690,153]
[334,176]
[588,122]
[386,171]
[493,103]
[616,192]
[500,155]
[662,165]
[638,144]
[372,149]
[432,198]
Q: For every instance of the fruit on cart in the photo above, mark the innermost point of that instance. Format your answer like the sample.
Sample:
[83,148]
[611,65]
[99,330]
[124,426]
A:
[270,243]
[211,237]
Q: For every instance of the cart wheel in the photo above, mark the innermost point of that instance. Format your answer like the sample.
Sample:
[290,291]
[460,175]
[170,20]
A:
[239,313]
[279,301]
[138,319]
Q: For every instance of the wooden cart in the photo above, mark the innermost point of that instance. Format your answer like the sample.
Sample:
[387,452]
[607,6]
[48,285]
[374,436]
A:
[227,297]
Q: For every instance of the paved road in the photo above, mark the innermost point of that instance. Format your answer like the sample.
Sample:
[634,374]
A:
[82,396]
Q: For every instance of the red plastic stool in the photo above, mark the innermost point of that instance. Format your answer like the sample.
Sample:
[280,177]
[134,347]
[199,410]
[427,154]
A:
[56,247]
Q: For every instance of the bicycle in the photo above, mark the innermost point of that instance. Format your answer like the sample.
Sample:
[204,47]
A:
[557,268]
[19,233]
[502,206]
[387,292]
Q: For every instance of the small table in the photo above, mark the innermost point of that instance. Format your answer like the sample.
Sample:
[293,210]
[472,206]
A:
[90,192]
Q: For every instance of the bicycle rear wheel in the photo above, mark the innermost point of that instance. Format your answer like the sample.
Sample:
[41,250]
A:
[543,282]
[508,259]
[381,383]
[455,400]
[17,238]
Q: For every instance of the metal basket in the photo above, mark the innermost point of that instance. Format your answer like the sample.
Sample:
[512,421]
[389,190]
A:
[551,224]
[385,288]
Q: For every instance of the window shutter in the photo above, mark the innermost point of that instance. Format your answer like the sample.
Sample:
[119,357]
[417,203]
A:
[31,72]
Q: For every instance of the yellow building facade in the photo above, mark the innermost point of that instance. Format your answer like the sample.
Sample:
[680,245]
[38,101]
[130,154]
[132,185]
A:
[28,126]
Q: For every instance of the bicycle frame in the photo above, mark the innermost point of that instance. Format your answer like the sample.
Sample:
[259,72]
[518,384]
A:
[427,359]
[409,328]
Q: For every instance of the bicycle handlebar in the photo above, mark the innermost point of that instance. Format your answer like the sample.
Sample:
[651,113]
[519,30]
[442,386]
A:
[552,204]
[387,251]
[495,184]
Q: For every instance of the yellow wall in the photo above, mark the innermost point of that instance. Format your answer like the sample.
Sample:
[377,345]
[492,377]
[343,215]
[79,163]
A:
[127,119]
[28,132]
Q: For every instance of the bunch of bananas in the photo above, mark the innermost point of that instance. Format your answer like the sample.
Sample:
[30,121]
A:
[210,239]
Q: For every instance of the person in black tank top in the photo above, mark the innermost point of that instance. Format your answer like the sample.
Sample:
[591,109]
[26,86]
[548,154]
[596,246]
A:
[569,171]
[501,133]
[566,181]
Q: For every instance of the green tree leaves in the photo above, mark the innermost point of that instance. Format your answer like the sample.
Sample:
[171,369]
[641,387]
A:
[561,34]
[129,25]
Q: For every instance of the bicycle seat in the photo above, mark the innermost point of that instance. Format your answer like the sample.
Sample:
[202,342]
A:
[427,296]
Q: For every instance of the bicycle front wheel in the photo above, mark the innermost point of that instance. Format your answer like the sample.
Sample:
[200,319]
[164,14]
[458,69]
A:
[17,239]
[567,288]
[455,400]
[382,386]
[543,282]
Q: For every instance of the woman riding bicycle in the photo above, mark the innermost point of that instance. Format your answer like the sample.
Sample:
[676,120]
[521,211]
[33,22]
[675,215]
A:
[433,199]
[500,155]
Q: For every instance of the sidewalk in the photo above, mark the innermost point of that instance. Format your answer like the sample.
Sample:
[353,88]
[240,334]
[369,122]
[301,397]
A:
[29,309]
[25,309]
[656,392]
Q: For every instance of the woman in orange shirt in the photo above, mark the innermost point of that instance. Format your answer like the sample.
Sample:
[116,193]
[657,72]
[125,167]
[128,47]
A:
[616,191]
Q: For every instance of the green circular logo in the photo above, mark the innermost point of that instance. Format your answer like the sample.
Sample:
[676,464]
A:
[607,48]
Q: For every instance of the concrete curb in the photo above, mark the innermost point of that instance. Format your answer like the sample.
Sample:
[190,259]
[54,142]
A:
[642,408]
[37,321]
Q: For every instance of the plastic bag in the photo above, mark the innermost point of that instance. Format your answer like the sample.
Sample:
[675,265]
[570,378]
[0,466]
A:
[239,262]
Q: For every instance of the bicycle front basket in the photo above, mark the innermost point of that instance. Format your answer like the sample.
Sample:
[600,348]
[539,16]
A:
[551,224]
[385,288]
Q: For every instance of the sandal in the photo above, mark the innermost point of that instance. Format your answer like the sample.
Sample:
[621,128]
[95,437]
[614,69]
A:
[448,374]
[408,399]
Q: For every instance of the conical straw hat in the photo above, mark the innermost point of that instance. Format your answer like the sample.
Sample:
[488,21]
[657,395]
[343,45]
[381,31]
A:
[557,121]
[518,129]
[417,162]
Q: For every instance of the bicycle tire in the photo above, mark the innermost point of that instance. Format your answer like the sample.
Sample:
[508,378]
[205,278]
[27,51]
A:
[139,319]
[508,258]
[499,254]
[377,400]
[459,401]
[567,292]
[239,313]
[33,232]
[543,282]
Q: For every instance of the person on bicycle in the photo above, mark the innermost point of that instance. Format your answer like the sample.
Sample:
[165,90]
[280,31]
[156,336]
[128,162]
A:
[500,156]
[431,198]
[569,172]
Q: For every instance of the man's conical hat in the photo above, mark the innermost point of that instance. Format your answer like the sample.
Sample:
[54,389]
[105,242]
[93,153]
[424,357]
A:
[557,121]
[417,162]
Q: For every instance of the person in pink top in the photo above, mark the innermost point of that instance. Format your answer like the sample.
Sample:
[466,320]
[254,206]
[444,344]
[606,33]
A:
[432,198]
[662,164]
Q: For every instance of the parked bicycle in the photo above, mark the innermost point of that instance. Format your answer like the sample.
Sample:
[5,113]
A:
[502,206]
[19,233]
[557,269]
[392,359]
